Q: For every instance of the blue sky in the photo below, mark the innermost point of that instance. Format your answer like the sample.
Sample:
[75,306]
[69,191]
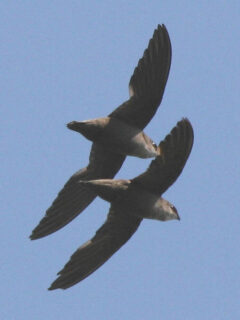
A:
[72,60]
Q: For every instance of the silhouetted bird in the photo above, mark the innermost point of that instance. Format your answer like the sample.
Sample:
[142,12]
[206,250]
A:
[131,201]
[115,136]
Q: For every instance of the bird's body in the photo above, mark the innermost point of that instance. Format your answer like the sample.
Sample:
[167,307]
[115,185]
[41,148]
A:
[116,136]
[146,88]
[130,202]
[132,199]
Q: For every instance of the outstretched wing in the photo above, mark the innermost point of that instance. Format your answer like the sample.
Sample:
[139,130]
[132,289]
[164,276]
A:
[146,90]
[74,198]
[114,233]
[174,152]
[148,82]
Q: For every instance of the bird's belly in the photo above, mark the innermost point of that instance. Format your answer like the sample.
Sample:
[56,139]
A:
[127,140]
[144,205]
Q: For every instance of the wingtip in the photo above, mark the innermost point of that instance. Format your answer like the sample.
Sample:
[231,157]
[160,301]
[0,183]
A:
[33,236]
[54,285]
[184,121]
[59,284]
[51,288]
[161,26]
[187,122]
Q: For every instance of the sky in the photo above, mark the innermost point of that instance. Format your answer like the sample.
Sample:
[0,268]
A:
[72,60]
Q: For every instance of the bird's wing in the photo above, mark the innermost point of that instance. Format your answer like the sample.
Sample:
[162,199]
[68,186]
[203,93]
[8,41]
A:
[148,82]
[174,152]
[74,198]
[114,233]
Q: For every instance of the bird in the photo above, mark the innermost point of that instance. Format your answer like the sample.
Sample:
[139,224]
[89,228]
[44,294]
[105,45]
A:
[131,201]
[125,124]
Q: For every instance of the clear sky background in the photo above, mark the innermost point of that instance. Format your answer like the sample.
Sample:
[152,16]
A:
[72,60]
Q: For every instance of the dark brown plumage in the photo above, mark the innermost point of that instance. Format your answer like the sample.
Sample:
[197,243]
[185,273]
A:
[131,201]
[146,88]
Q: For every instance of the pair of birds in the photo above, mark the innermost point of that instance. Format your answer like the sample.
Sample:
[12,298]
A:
[114,137]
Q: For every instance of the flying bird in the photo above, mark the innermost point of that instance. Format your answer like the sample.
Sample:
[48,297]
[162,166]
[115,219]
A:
[131,201]
[115,136]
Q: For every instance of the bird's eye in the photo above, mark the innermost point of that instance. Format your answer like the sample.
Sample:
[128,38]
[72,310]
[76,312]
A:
[154,144]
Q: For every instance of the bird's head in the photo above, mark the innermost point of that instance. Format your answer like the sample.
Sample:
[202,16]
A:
[169,212]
